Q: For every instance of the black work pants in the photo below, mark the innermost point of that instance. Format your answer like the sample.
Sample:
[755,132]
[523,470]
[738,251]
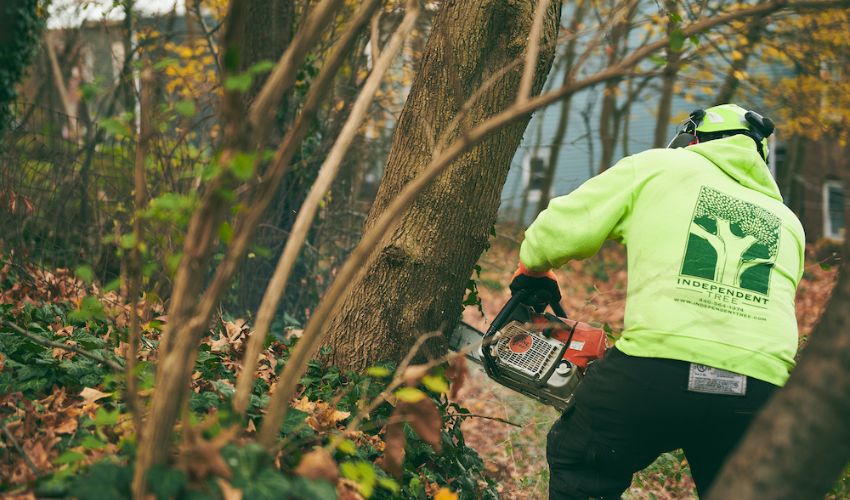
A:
[628,411]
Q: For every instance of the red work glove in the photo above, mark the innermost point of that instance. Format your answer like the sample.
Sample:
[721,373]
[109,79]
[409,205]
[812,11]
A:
[541,285]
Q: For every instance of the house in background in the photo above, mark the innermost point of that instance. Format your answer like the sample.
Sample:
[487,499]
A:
[816,189]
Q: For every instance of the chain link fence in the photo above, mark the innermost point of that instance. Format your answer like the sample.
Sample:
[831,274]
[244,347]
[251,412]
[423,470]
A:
[66,197]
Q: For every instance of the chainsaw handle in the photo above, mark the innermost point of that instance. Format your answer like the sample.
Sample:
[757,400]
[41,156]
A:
[557,309]
[502,318]
[510,306]
[506,311]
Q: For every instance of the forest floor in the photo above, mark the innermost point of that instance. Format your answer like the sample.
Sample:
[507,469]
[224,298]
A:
[593,291]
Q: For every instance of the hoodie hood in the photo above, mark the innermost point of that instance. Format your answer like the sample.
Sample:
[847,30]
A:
[738,157]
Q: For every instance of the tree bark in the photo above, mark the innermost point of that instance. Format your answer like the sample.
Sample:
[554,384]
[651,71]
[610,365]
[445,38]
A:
[267,31]
[800,443]
[415,281]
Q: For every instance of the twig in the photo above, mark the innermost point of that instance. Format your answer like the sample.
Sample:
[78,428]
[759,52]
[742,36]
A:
[327,172]
[398,379]
[532,51]
[262,109]
[486,417]
[208,33]
[36,472]
[134,256]
[375,38]
[49,343]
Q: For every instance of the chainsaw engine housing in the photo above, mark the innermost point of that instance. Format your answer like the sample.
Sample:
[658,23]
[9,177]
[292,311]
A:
[526,360]
[532,363]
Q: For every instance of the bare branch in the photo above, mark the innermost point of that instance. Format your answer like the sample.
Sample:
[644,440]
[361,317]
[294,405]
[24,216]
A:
[327,173]
[533,50]
[375,36]
[61,88]
[263,108]
[27,460]
[486,417]
[60,345]
[266,190]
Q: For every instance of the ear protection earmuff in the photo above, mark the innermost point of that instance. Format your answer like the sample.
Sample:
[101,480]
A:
[688,134]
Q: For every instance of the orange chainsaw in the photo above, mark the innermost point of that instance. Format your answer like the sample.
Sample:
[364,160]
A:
[543,356]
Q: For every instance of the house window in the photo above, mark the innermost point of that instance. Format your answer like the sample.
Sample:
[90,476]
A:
[534,171]
[833,210]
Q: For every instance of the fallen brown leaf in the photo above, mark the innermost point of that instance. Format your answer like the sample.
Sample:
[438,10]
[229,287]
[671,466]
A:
[318,464]
[201,458]
[456,373]
[393,457]
[425,419]
[89,395]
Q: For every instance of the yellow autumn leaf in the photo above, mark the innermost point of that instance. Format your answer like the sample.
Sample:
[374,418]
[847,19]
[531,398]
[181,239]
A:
[445,494]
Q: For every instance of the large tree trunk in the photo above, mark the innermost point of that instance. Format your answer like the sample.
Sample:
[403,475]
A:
[416,279]
[799,445]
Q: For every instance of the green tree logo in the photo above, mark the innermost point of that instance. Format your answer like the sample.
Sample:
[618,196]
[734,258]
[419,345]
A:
[731,241]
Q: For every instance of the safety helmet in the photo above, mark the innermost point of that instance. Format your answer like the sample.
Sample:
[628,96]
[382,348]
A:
[723,121]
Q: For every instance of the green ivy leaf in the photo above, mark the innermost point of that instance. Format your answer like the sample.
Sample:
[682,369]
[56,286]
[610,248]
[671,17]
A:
[242,165]
[261,67]
[362,473]
[677,40]
[347,446]
[69,457]
[389,484]
[92,443]
[409,395]
[105,417]
[115,128]
[185,107]
[85,273]
[90,308]
[378,372]
[435,383]
[239,83]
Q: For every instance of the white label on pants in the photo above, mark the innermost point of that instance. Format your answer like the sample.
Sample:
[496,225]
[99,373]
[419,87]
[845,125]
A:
[716,381]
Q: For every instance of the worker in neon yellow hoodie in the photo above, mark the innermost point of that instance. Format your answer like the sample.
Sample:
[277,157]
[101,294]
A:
[714,259]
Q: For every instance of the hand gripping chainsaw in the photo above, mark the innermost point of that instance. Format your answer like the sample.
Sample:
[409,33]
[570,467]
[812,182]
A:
[542,356]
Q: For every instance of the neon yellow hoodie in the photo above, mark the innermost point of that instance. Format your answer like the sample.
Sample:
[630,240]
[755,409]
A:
[714,257]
